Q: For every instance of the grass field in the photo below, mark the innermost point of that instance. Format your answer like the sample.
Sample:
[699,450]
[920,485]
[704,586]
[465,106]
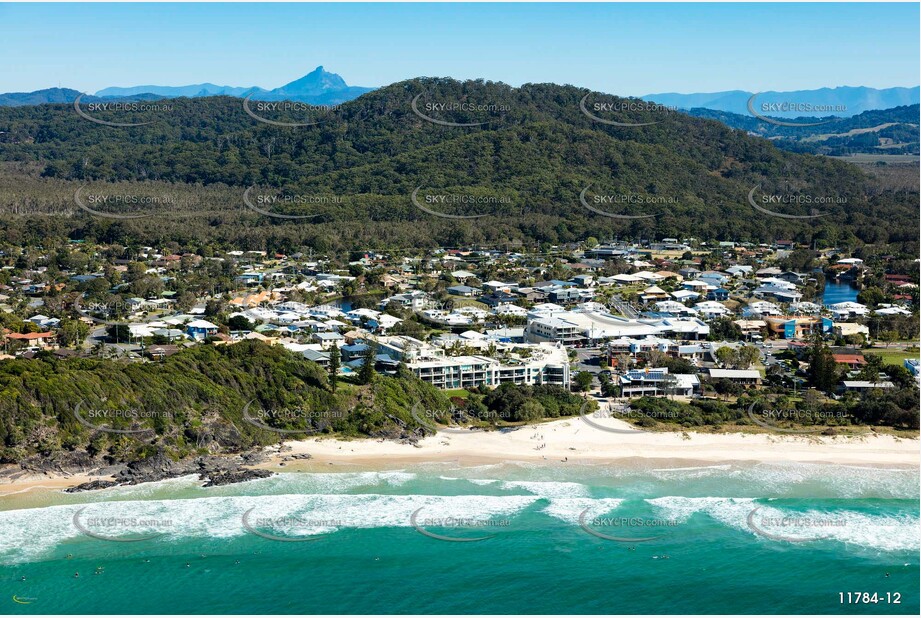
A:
[893,356]
[456,392]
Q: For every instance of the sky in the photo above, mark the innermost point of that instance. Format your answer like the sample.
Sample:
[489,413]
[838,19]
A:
[624,49]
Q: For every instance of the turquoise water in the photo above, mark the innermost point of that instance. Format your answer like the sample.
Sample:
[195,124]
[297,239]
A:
[861,524]
[839,293]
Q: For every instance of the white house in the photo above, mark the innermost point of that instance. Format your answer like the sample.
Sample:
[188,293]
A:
[710,309]
[848,309]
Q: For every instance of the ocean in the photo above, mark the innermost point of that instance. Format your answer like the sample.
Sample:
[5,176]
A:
[637,537]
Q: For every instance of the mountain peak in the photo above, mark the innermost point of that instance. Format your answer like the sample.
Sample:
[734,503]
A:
[316,82]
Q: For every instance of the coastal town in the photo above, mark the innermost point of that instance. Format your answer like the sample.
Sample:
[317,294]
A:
[675,318]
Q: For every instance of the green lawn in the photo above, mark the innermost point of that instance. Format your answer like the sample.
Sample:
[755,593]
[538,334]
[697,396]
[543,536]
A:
[456,392]
[892,356]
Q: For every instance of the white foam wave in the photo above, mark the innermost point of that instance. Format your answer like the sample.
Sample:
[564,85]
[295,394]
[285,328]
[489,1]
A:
[549,489]
[872,531]
[29,533]
[569,509]
[694,468]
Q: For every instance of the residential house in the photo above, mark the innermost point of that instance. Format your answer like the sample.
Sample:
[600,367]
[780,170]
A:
[464,290]
[35,341]
[711,309]
[851,361]
[658,382]
[200,329]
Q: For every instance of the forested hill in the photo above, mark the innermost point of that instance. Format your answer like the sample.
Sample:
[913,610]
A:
[529,155]
[203,400]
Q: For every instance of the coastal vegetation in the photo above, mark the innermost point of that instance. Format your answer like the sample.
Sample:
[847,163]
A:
[357,168]
[204,400]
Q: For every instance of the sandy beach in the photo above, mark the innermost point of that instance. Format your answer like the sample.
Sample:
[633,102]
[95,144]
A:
[572,440]
[563,441]
[31,482]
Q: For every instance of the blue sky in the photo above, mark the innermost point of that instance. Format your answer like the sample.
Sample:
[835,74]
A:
[626,49]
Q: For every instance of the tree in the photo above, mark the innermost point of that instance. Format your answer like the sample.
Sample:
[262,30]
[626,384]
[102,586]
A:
[823,373]
[118,333]
[583,381]
[727,356]
[610,389]
[72,332]
[334,364]
[655,358]
[871,297]
[366,373]
[531,410]
[239,322]
[747,355]
[727,387]
[888,336]
[724,329]
[870,372]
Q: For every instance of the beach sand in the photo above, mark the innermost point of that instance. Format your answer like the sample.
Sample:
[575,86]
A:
[31,482]
[569,440]
[573,440]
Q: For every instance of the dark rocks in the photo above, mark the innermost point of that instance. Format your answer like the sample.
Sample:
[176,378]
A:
[235,476]
[60,462]
[212,469]
[298,456]
[90,486]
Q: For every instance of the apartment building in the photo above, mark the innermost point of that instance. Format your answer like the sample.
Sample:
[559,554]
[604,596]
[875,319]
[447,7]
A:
[546,367]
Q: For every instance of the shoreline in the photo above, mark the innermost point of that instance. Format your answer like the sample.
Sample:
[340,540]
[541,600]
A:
[563,441]
[572,441]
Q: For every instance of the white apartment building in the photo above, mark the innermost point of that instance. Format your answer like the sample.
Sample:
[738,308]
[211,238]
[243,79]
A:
[549,365]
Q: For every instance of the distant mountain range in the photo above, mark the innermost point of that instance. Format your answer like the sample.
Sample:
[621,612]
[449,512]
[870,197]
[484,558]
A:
[319,87]
[892,131]
[852,100]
